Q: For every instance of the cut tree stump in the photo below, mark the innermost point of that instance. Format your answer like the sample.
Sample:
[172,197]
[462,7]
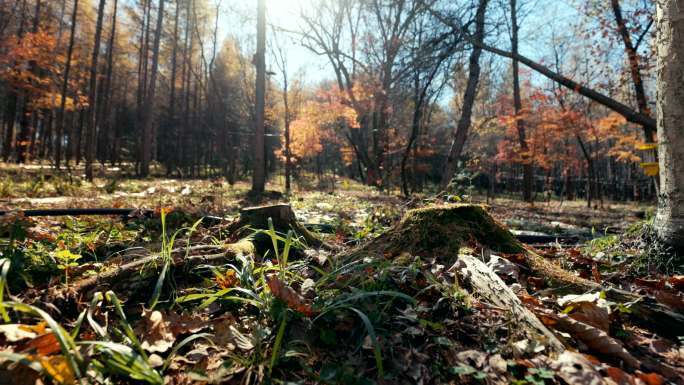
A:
[284,220]
[488,286]
[441,231]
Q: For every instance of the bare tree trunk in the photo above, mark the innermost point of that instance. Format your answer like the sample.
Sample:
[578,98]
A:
[24,139]
[288,155]
[91,125]
[468,98]
[634,69]
[517,103]
[171,160]
[669,221]
[259,177]
[65,88]
[104,108]
[147,114]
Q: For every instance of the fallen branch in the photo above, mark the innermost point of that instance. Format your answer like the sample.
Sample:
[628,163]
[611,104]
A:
[488,286]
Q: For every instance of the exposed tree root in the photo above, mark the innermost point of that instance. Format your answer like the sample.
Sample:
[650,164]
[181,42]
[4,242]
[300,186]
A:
[142,273]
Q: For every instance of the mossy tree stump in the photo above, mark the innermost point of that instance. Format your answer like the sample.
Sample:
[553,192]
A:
[441,231]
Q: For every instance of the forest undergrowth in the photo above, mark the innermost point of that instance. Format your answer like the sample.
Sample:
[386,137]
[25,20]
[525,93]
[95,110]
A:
[166,297]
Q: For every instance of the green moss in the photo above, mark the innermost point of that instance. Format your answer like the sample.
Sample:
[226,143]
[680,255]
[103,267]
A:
[440,231]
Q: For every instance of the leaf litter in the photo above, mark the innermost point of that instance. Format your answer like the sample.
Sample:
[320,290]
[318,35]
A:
[321,319]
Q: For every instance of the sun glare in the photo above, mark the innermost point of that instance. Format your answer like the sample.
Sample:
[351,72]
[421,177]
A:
[287,8]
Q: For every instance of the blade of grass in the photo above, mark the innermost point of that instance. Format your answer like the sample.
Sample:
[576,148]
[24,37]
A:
[66,343]
[278,342]
[123,360]
[178,346]
[374,339]
[114,300]
[4,270]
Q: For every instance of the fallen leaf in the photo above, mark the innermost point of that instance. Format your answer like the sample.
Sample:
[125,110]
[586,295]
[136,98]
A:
[619,376]
[58,368]
[651,378]
[288,295]
[677,281]
[227,280]
[588,308]
[575,369]
[15,333]
[42,345]
[503,267]
[595,339]
[157,336]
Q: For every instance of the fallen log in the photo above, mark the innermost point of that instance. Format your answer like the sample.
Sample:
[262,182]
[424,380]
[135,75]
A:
[483,282]
[441,232]
[142,273]
[124,276]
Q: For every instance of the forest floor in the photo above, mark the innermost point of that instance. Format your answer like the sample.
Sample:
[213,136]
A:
[274,308]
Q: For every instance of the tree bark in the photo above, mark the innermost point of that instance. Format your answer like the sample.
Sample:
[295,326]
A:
[106,137]
[91,125]
[171,161]
[464,121]
[669,221]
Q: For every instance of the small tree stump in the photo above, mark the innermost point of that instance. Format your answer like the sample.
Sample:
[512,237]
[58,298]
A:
[284,220]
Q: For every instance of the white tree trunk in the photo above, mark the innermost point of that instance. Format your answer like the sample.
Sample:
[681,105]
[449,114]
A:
[670,108]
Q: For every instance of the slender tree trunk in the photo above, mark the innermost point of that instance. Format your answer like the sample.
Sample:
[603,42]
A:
[288,160]
[150,99]
[528,168]
[259,177]
[591,171]
[173,129]
[634,68]
[65,88]
[669,221]
[470,93]
[24,139]
[91,125]
[104,108]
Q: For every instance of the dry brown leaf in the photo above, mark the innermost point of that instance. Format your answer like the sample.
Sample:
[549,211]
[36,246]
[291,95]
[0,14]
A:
[288,295]
[157,336]
[651,378]
[185,323]
[42,345]
[595,339]
[58,368]
[227,280]
[588,308]
[677,281]
[575,369]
